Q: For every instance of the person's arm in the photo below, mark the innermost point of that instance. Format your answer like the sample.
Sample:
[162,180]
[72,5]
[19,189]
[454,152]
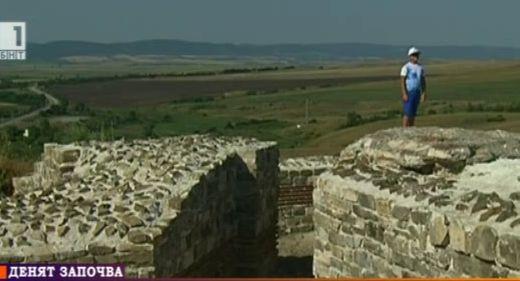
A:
[404,91]
[423,87]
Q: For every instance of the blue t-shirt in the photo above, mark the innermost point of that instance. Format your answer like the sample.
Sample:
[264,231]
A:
[414,73]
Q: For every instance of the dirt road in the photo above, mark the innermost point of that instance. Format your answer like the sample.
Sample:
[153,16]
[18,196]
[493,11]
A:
[50,102]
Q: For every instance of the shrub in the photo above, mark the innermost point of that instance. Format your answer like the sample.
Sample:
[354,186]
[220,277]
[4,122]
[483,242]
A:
[353,119]
[149,130]
[498,118]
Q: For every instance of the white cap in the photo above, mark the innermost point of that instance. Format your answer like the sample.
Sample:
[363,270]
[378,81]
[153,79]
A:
[413,50]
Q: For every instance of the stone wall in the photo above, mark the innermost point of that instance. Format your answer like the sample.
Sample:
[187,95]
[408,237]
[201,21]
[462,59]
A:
[183,206]
[297,180]
[424,202]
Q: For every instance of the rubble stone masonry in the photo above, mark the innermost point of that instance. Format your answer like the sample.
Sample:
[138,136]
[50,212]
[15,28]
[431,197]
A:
[423,202]
[182,206]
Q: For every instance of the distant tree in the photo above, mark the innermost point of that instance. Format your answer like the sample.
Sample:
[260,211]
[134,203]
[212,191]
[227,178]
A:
[499,107]
[470,107]
[132,116]
[148,130]
[167,118]
[78,132]
[80,107]
[498,118]
[353,119]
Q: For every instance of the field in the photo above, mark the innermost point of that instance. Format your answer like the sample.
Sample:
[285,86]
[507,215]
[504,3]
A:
[94,66]
[135,92]
[15,102]
[308,109]
[334,105]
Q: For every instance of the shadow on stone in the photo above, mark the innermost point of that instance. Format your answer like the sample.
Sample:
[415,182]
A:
[294,267]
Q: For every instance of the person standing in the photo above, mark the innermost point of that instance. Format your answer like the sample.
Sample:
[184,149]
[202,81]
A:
[413,87]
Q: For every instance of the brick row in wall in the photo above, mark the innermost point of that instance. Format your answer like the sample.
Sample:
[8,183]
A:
[295,195]
[297,181]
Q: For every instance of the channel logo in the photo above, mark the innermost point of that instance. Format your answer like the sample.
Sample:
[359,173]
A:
[12,41]
[59,272]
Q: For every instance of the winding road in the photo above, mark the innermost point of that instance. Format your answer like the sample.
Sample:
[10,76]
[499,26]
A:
[50,102]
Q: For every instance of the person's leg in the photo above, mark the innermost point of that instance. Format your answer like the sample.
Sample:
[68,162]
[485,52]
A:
[411,121]
[411,107]
[407,112]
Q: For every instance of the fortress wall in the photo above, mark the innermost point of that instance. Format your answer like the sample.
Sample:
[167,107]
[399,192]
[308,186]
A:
[364,232]
[445,206]
[184,206]
[297,181]
[226,225]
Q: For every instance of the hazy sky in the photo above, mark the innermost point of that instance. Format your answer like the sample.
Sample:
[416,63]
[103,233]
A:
[421,22]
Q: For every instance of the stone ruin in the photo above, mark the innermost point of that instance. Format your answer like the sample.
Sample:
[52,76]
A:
[182,206]
[423,202]
[297,181]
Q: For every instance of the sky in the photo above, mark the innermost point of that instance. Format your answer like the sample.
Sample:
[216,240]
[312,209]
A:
[397,22]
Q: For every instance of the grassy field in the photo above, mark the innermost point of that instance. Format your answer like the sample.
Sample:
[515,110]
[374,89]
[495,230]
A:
[15,102]
[343,102]
[122,65]
[452,86]
[270,105]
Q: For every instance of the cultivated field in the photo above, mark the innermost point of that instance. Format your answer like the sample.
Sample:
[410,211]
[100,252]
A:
[334,105]
[92,66]
[136,92]
[308,110]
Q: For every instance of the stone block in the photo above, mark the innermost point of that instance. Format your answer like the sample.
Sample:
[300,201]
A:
[401,213]
[107,259]
[68,154]
[139,258]
[471,266]
[438,233]
[384,207]
[459,236]
[509,251]
[421,217]
[70,255]
[375,231]
[132,221]
[326,221]
[483,242]
[367,201]
[374,247]
[364,213]
[350,195]
[99,249]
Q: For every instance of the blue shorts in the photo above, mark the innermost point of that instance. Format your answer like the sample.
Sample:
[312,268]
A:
[412,104]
